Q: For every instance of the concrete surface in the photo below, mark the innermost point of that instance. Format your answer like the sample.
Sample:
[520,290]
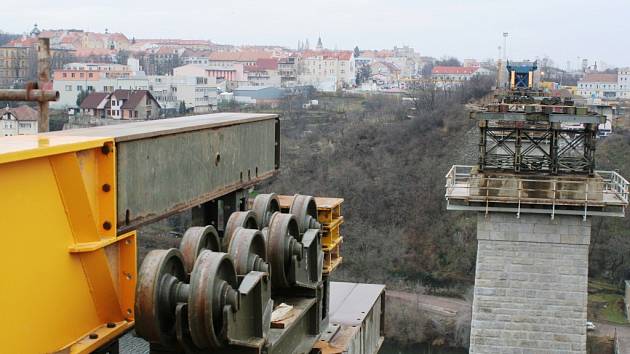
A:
[530,284]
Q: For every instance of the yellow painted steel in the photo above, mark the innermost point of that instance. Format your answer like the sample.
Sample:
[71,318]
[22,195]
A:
[68,278]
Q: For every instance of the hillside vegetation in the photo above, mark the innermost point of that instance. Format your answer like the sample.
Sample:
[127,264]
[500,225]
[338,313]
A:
[389,163]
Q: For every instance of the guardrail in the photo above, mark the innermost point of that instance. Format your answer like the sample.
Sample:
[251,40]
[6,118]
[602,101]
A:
[608,188]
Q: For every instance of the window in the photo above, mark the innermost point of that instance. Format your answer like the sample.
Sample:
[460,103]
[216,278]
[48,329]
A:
[90,75]
[135,114]
[90,88]
[81,75]
[72,75]
[68,87]
[65,75]
[79,88]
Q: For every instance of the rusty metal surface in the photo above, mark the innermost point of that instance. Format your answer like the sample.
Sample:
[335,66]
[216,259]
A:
[170,165]
[356,319]
[28,95]
[195,240]
[350,302]
[161,127]
[43,77]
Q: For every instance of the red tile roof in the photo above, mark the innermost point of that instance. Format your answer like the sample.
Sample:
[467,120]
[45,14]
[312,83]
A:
[95,51]
[266,64]
[599,77]
[93,100]
[23,113]
[240,56]
[454,70]
[133,97]
[328,54]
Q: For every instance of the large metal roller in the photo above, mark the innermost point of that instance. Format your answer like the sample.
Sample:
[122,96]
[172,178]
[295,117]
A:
[244,219]
[210,309]
[284,249]
[213,294]
[264,206]
[248,250]
[160,286]
[197,239]
[305,210]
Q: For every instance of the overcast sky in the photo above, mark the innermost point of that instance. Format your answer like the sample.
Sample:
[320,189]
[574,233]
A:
[563,30]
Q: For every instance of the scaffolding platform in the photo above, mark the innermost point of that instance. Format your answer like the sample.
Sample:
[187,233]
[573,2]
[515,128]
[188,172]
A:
[603,194]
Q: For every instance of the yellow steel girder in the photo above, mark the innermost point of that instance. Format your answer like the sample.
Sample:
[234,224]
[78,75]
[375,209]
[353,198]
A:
[69,278]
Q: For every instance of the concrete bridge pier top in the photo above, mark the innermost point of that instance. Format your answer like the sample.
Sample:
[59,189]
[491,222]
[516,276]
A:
[531,280]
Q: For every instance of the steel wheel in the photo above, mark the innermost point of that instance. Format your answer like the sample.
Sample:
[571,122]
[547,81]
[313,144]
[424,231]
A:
[248,250]
[212,289]
[197,239]
[264,206]
[305,210]
[282,247]
[245,219]
[155,321]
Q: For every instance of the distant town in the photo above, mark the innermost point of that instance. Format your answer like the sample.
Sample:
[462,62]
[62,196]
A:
[111,76]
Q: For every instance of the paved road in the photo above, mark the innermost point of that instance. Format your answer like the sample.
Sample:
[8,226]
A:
[444,306]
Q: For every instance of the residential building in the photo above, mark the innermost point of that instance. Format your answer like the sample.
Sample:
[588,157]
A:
[263,73]
[605,85]
[384,73]
[195,57]
[199,94]
[245,57]
[16,65]
[91,77]
[94,104]
[288,71]
[122,104]
[327,70]
[159,61]
[21,120]
[446,76]
[234,72]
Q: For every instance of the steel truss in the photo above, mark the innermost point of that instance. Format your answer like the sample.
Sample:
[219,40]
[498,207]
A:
[540,147]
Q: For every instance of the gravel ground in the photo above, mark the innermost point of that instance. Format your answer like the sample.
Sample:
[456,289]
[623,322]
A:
[130,344]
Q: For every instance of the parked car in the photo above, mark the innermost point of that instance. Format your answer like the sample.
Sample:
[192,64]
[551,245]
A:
[590,326]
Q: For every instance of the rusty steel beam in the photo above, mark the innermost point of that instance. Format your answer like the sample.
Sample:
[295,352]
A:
[43,77]
[28,95]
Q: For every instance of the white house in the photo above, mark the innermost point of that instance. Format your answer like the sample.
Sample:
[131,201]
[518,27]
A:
[21,120]
[605,85]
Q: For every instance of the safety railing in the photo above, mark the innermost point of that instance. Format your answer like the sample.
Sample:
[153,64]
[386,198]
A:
[607,188]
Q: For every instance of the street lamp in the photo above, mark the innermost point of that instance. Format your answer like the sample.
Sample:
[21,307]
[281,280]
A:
[505,36]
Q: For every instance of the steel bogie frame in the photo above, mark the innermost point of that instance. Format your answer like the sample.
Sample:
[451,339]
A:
[540,147]
[76,279]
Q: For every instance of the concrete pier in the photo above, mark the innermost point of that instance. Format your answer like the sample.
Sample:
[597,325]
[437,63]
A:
[530,284]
